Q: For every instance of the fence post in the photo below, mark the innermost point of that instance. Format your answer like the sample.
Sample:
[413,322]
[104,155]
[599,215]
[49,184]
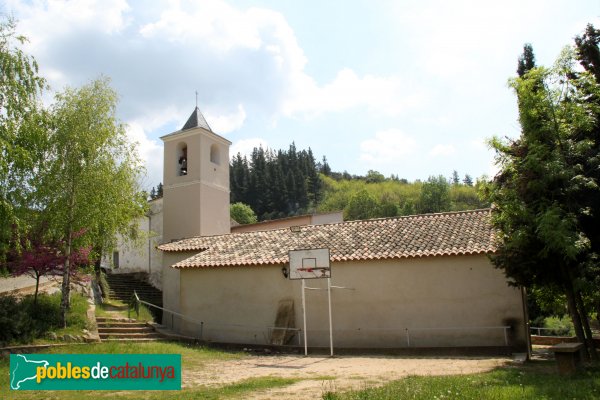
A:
[407,338]
[201,329]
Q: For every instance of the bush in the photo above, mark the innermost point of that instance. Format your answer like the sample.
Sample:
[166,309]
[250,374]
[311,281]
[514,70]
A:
[559,326]
[21,321]
[104,287]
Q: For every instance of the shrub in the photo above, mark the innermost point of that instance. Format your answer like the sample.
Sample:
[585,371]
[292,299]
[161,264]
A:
[559,326]
[104,287]
[22,321]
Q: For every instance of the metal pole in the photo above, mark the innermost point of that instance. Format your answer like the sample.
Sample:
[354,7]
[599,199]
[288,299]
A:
[330,321]
[505,337]
[407,338]
[304,318]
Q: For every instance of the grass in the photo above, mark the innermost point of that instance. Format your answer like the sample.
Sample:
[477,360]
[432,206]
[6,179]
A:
[535,380]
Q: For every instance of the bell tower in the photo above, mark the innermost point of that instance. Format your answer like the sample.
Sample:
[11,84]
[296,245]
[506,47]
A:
[195,191]
[195,181]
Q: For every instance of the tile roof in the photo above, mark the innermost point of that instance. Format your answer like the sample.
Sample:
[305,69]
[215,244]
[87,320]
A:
[454,233]
[196,120]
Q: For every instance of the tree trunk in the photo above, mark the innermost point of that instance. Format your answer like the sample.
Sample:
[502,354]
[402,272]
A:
[37,285]
[569,292]
[586,325]
[65,302]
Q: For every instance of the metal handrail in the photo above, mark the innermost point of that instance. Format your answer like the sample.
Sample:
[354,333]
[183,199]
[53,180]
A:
[505,328]
[137,301]
[540,328]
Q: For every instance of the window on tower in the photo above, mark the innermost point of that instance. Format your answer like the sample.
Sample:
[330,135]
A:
[182,159]
[214,154]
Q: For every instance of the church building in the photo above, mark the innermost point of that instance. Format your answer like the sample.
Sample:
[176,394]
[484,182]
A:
[405,282]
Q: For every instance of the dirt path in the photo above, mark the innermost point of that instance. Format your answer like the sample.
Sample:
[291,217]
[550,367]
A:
[321,374]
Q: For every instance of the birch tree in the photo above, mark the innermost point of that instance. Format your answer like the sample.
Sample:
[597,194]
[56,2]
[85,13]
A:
[88,189]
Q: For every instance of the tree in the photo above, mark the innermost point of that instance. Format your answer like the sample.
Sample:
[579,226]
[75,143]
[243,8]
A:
[455,178]
[361,206]
[325,168]
[38,258]
[374,177]
[88,149]
[20,86]
[242,213]
[468,180]
[526,60]
[435,195]
[544,192]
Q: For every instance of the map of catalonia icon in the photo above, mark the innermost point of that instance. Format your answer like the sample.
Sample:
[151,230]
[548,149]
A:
[23,369]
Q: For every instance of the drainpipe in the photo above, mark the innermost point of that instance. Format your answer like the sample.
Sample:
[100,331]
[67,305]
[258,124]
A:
[149,215]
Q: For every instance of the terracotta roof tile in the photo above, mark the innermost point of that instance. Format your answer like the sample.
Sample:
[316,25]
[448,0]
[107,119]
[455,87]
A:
[455,233]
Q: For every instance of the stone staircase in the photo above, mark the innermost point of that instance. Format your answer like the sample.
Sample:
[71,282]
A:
[123,285]
[125,330]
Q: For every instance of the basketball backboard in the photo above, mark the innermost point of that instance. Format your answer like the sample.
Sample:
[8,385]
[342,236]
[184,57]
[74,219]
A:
[309,264]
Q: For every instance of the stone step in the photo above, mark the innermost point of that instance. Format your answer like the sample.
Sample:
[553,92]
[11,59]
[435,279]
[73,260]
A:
[115,329]
[130,335]
[133,286]
[116,320]
[121,325]
[132,340]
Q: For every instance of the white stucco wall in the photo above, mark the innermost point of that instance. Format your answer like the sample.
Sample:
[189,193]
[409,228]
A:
[142,255]
[238,304]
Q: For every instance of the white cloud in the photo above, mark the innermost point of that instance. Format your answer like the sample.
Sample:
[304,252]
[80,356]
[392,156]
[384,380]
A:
[151,151]
[226,123]
[215,23]
[387,147]
[442,150]
[245,146]
[381,95]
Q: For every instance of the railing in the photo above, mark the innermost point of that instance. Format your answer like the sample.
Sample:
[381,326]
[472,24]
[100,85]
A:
[560,331]
[135,304]
[505,328]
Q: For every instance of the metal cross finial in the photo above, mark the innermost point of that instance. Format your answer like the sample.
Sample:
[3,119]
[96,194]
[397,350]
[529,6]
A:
[196,99]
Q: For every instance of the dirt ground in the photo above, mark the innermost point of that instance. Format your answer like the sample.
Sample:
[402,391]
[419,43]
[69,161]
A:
[320,374]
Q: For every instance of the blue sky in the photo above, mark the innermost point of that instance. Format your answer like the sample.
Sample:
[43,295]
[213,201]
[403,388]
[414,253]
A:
[411,88]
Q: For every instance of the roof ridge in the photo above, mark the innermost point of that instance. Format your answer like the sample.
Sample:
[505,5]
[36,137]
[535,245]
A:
[477,210]
[354,222]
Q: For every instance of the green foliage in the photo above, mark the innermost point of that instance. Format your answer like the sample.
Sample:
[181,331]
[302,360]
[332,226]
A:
[374,177]
[526,60]
[361,206]
[242,213]
[20,87]
[435,195]
[88,149]
[558,326]
[392,197]
[546,196]
[104,286]
[22,321]
[276,184]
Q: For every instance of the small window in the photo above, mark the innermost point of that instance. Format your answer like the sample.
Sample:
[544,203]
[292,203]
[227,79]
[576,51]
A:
[182,159]
[116,259]
[214,154]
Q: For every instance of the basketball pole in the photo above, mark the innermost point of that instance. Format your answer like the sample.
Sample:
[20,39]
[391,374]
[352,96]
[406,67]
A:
[330,319]
[304,318]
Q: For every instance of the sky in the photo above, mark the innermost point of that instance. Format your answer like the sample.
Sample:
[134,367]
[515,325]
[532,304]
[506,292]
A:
[410,88]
